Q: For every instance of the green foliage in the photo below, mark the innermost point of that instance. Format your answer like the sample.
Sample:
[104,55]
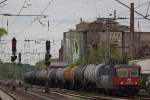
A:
[2,32]
[77,63]
[99,55]
[143,81]
[116,52]
[9,70]
[40,65]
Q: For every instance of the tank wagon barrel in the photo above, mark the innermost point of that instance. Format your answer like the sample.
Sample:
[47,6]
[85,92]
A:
[79,77]
[72,73]
[59,74]
[52,77]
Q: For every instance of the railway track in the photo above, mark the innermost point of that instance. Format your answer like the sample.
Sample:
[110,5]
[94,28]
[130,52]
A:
[93,96]
[64,94]
[10,96]
[142,96]
[45,96]
[79,94]
[21,94]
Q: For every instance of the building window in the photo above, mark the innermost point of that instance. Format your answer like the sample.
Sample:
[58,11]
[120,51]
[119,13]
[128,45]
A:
[115,34]
[147,50]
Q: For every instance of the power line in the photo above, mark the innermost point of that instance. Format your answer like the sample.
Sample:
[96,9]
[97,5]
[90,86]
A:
[37,17]
[3,1]
[147,10]
[140,5]
[20,11]
[74,12]
[24,15]
[134,10]
[22,7]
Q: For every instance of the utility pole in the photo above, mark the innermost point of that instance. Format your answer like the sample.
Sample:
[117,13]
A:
[108,40]
[132,38]
[19,63]
[20,69]
[19,57]
[123,44]
[139,42]
[115,14]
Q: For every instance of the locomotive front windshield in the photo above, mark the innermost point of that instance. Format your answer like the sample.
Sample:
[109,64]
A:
[127,72]
[122,72]
[134,72]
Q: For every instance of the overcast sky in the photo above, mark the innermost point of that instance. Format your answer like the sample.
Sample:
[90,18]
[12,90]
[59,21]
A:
[63,15]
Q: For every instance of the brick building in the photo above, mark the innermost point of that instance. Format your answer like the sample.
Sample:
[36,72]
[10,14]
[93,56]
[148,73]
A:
[88,38]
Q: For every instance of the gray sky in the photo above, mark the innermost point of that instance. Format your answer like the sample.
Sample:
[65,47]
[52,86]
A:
[63,15]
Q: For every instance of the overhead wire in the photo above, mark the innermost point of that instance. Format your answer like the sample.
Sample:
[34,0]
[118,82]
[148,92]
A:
[147,9]
[77,10]
[3,2]
[148,19]
[26,27]
[19,12]
[22,7]
[138,6]
[74,12]
[145,17]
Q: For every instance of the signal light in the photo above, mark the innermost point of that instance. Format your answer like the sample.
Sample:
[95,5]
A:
[14,41]
[48,46]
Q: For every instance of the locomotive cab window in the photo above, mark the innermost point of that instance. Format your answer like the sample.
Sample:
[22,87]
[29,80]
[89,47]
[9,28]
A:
[134,72]
[122,72]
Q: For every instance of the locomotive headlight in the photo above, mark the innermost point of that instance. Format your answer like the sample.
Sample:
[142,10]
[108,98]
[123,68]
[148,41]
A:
[136,83]
[121,83]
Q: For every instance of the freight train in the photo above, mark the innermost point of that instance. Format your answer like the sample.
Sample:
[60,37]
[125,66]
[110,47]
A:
[119,78]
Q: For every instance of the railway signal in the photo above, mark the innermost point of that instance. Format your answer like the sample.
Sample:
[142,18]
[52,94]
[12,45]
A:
[47,54]
[14,57]
[48,46]
[14,41]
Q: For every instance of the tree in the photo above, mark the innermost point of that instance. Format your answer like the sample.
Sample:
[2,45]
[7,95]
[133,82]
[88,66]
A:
[100,54]
[40,65]
[3,32]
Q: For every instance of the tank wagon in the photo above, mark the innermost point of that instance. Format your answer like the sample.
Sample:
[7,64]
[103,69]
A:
[121,78]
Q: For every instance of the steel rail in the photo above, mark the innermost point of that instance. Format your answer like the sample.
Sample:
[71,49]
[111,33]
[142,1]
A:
[6,92]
